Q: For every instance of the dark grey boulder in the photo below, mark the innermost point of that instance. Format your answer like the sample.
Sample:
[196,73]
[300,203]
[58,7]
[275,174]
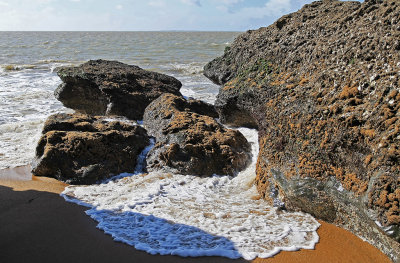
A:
[101,87]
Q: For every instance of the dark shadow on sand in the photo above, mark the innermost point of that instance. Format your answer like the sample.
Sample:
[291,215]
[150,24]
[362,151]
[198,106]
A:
[41,227]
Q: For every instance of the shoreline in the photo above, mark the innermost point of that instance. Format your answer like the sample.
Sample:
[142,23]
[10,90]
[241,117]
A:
[20,173]
[38,224]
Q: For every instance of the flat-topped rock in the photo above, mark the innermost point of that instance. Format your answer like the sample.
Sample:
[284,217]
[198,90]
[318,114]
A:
[192,143]
[101,87]
[80,149]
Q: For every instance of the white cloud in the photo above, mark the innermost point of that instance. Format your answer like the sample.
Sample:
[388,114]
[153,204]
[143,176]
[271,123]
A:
[270,8]
[50,18]
[75,0]
[3,3]
[119,7]
[222,8]
[23,20]
[41,1]
[225,5]
[245,17]
[229,2]
[191,2]
[157,3]
[279,5]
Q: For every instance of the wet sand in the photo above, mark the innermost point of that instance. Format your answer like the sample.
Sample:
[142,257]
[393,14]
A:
[335,245]
[37,225]
[21,173]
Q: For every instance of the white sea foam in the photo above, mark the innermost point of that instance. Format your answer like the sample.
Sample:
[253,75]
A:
[193,216]
[15,67]
[198,87]
[17,142]
[187,68]
[26,99]
[120,119]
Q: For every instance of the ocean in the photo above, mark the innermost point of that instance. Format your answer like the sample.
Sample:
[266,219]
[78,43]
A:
[158,213]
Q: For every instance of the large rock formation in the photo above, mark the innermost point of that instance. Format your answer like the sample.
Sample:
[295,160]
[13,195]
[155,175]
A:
[80,149]
[102,87]
[189,141]
[323,87]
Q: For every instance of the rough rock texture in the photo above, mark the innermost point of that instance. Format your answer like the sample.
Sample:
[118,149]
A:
[189,141]
[102,87]
[80,149]
[323,87]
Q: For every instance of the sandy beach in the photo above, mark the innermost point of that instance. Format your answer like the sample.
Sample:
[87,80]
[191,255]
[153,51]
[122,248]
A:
[37,225]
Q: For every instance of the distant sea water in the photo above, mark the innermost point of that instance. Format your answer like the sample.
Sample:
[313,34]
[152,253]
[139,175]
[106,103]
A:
[158,213]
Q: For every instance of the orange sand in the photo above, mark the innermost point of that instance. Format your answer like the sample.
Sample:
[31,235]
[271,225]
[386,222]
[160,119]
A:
[42,184]
[336,244]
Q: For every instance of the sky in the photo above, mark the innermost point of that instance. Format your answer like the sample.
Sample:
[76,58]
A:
[139,15]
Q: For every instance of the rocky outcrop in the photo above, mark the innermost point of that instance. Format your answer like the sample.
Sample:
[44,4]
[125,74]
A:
[190,141]
[101,87]
[80,149]
[322,86]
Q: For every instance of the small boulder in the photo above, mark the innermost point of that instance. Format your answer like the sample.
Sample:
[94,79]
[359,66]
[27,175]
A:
[190,142]
[80,149]
[101,87]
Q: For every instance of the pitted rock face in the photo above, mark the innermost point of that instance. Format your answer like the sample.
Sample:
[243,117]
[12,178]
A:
[102,87]
[192,143]
[322,86]
[80,149]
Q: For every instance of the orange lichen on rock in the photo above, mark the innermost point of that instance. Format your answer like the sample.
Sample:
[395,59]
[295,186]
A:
[368,159]
[351,182]
[348,92]
[310,167]
[262,174]
[393,94]
[370,133]
[390,201]
[280,79]
[227,87]
[389,122]
[387,197]
[303,81]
